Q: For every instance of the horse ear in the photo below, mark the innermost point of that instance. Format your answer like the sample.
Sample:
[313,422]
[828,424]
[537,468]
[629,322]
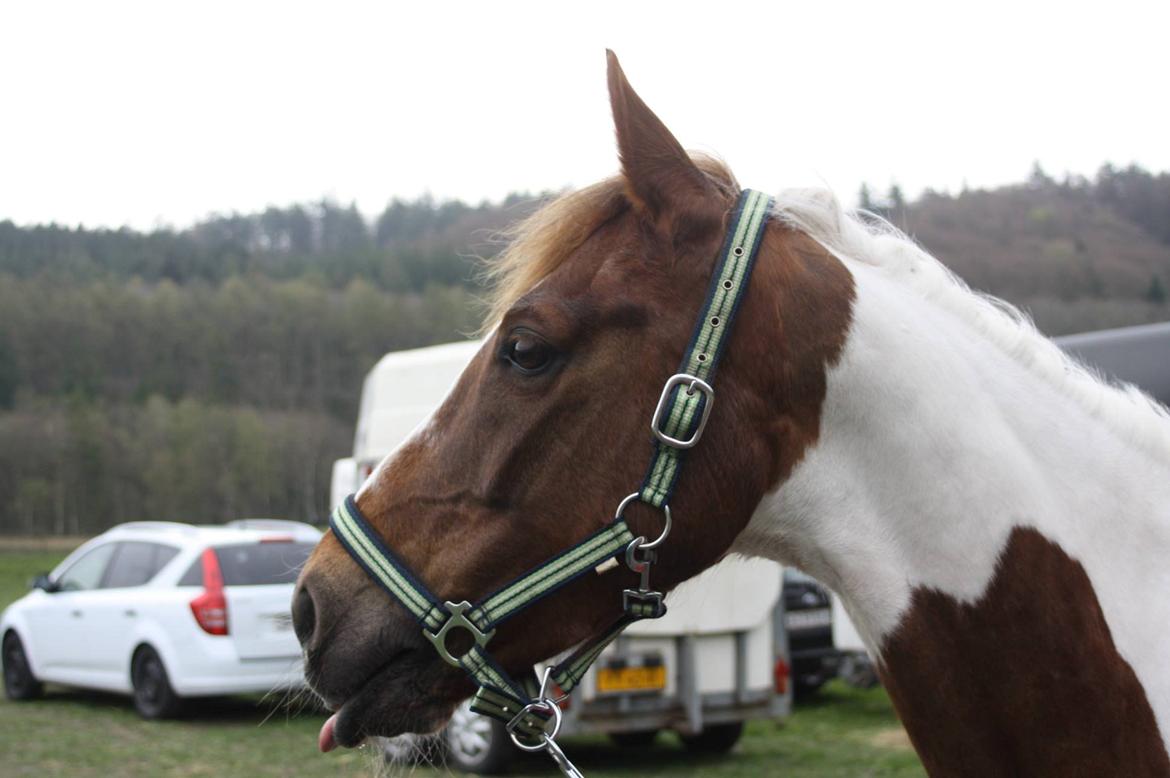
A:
[661,179]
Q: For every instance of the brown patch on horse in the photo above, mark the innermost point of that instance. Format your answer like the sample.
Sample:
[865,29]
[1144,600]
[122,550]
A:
[1025,682]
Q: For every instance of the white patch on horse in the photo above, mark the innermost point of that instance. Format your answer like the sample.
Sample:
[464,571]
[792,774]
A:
[948,421]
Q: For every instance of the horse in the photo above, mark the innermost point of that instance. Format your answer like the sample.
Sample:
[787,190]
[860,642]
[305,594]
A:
[994,517]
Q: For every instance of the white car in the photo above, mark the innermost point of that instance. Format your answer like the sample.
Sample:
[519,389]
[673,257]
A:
[164,611]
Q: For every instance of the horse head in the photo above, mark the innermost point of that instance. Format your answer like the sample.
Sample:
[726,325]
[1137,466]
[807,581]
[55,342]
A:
[547,429]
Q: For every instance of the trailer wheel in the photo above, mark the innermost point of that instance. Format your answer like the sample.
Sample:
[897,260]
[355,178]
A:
[636,739]
[475,743]
[715,739]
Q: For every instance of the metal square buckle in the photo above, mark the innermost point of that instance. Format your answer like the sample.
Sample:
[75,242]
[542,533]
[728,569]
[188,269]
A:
[693,384]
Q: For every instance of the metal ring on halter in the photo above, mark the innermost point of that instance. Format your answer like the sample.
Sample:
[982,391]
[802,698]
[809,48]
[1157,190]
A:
[546,737]
[665,530]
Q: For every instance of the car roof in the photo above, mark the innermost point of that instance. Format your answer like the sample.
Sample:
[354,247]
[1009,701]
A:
[197,536]
[241,531]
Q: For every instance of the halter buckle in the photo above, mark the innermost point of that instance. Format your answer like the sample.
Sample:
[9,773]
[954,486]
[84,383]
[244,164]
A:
[456,618]
[693,384]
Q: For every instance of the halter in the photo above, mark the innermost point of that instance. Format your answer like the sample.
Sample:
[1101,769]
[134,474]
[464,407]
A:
[530,711]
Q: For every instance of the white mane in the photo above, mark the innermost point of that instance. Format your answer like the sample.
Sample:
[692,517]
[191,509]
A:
[869,239]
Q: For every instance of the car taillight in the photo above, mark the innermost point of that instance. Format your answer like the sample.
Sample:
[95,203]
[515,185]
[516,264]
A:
[210,607]
[780,675]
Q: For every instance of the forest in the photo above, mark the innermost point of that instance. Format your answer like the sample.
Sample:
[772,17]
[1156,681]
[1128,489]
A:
[212,372]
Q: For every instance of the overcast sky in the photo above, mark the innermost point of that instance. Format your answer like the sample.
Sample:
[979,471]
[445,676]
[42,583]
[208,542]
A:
[161,113]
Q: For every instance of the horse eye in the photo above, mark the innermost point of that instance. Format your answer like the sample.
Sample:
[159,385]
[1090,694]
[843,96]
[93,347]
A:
[528,353]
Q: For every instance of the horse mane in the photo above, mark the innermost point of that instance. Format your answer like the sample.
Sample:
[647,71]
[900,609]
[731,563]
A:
[871,240]
[538,244]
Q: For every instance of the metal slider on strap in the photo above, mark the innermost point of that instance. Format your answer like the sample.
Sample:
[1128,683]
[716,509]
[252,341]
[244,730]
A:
[456,619]
[693,384]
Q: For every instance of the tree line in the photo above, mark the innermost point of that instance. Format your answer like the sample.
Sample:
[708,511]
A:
[259,342]
[78,466]
[1078,254]
[409,246]
[213,372]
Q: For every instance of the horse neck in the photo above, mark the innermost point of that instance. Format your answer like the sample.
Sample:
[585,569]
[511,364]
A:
[936,450]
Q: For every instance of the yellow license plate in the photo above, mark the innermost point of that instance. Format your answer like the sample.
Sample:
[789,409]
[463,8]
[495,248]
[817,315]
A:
[631,679]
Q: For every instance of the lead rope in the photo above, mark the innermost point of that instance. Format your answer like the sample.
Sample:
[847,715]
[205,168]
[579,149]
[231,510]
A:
[532,713]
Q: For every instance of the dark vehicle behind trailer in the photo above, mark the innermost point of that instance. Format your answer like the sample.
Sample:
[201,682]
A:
[1137,355]
[808,615]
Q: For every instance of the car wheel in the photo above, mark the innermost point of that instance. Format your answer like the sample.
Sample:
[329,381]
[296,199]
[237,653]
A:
[19,681]
[636,739]
[715,739]
[153,696]
[475,743]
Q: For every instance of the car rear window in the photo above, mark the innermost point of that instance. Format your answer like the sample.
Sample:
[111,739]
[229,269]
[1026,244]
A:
[256,564]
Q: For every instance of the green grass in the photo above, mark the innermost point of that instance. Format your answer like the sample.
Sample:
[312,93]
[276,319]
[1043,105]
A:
[18,568]
[844,732]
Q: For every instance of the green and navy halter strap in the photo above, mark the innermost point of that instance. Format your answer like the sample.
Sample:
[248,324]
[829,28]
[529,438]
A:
[678,424]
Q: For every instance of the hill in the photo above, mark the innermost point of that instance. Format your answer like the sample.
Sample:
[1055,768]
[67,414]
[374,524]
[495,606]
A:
[212,372]
[1076,255]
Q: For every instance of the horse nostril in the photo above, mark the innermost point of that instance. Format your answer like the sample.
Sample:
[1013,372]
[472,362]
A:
[304,614]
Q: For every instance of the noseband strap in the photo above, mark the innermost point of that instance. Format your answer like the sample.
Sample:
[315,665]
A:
[679,420]
[437,618]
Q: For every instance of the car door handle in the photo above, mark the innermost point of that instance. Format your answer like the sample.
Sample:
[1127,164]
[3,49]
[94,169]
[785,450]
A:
[76,614]
[130,613]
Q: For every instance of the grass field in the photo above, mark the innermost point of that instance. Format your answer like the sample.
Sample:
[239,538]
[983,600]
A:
[845,732]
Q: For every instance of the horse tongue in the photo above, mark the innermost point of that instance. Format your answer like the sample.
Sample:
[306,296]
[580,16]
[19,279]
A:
[325,740]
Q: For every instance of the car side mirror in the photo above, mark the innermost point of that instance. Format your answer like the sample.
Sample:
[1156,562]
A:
[44,583]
